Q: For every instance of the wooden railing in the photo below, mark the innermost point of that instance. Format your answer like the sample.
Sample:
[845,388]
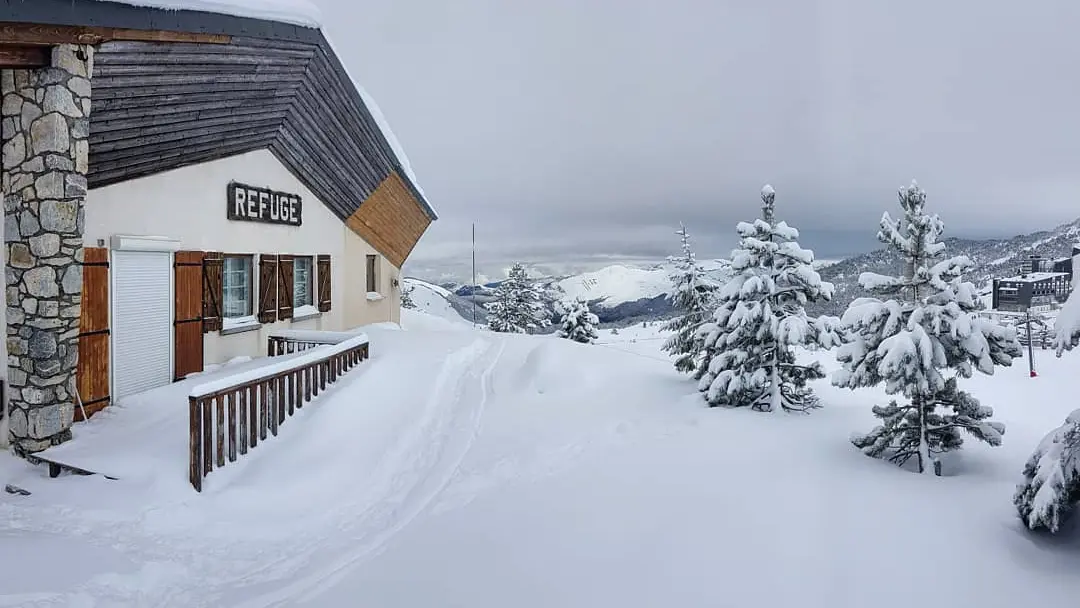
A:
[230,416]
[288,342]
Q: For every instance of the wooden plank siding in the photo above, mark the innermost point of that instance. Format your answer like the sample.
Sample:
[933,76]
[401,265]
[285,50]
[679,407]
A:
[160,106]
[188,313]
[92,370]
[174,88]
[391,220]
[23,57]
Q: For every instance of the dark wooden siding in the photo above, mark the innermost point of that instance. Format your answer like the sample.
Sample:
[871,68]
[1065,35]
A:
[160,106]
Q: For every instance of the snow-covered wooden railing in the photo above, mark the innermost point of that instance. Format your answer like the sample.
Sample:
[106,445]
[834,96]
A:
[245,406]
[286,342]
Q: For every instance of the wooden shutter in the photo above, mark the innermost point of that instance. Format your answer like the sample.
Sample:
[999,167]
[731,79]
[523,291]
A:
[323,274]
[187,323]
[285,287]
[267,288]
[213,265]
[92,370]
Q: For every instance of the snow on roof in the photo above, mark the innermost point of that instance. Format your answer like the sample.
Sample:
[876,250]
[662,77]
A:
[296,12]
[1035,277]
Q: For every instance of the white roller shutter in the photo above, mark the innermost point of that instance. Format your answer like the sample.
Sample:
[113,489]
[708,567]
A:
[142,321]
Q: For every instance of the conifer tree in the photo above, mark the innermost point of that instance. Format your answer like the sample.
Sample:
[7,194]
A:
[749,358]
[1050,489]
[406,297]
[692,296]
[923,326]
[518,305]
[578,322]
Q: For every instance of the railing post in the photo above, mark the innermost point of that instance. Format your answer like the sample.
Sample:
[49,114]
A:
[195,454]
[207,436]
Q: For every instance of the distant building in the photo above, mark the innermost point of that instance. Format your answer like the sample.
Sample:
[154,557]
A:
[1042,284]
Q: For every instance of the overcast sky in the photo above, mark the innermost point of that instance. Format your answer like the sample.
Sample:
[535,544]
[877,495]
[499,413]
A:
[575,130]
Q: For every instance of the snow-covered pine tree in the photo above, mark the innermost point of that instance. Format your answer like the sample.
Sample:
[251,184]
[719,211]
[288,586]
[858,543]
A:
[1051,485]
[749,358]
[518,305]
[691,296]
[406,297]
[578,322]
[925,326]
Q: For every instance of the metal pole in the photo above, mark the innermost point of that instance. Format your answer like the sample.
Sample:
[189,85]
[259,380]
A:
[1031,338]
[474,275]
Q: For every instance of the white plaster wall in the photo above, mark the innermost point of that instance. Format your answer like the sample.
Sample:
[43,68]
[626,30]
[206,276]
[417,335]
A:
[189,204]
[359,309]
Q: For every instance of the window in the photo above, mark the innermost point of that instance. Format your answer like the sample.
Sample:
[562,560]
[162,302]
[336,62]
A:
[236,287]
[302,275]
[372,283]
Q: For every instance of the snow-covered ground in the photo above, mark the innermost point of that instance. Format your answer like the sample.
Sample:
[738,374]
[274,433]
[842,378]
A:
[466,468]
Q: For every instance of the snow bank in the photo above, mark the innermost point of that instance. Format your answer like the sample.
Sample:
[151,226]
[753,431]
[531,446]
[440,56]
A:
[433,300]
[475,469]
[425,321]
[304,358]
[296,12]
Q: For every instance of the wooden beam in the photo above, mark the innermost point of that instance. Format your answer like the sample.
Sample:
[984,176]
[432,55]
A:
[47,35]
[23,57]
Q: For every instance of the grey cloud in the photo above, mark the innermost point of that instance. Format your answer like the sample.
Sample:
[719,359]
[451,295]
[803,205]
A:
[569,129]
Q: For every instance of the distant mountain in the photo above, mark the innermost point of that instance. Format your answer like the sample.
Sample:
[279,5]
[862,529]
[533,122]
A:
[439,301]
[992,258]
[620,294]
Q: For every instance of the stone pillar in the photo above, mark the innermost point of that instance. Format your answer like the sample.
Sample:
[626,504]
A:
[45,119]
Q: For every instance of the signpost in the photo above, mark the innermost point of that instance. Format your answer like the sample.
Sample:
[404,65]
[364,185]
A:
[1030,339]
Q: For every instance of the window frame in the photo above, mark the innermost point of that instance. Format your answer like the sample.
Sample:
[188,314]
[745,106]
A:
[310,286]
[371,269]
[251,287]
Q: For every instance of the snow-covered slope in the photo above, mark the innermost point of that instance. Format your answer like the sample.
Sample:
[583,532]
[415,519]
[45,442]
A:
[440,302]
[619,284]
[476,469]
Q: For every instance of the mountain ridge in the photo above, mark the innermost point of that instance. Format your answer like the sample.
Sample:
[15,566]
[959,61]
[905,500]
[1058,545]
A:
[992,258]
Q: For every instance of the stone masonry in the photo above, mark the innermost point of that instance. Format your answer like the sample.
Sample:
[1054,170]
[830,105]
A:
[45,120]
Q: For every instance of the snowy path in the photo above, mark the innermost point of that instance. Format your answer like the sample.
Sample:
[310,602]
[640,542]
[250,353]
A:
[466,468]
[413,475]
[197,553]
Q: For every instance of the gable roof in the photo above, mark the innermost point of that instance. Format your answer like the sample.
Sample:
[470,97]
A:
[220,85]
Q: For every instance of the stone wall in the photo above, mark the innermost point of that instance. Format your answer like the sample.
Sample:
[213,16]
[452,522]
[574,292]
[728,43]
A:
[45,121]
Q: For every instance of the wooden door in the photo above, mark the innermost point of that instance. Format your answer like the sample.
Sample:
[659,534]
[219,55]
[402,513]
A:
[92,370]
[188,315]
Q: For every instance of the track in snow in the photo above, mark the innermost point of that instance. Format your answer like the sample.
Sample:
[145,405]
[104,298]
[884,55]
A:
[410,479]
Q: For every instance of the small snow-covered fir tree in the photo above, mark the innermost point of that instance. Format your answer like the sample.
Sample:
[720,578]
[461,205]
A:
[923,325]
[760,317]
[578,322]
[1050,489]
[406,297]
[518,305]
[692,297]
